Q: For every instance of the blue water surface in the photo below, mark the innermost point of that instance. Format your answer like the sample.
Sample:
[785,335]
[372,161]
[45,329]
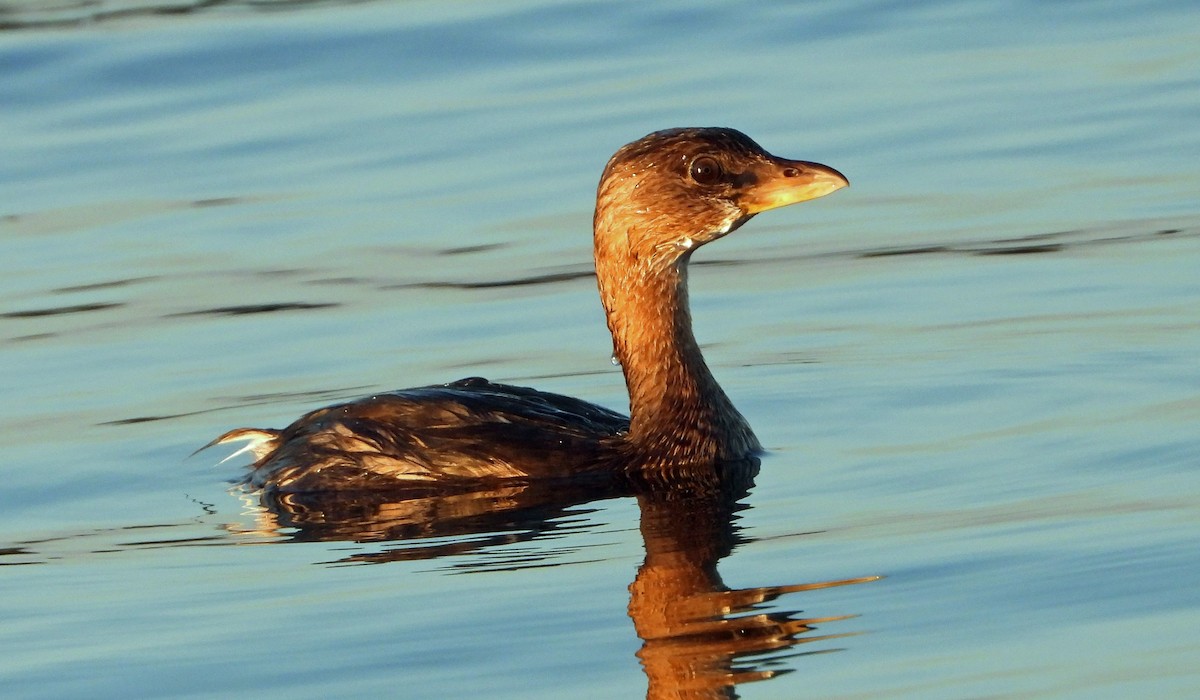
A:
[975,370]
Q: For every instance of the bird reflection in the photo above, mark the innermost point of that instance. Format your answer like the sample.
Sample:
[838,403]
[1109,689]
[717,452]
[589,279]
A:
[428,524]
[697,634]
[699,638]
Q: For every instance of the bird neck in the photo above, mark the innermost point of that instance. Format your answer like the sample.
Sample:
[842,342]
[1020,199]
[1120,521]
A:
[678,412]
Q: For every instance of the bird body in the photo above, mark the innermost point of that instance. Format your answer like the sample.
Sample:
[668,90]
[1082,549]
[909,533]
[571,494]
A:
[659,199]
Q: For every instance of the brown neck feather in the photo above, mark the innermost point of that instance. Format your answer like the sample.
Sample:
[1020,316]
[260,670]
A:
[678,412]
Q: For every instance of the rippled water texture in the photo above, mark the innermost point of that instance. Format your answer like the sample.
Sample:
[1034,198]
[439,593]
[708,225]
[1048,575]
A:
[976,369]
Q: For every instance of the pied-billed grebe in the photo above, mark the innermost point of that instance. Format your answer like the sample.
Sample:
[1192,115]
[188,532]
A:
[660,198]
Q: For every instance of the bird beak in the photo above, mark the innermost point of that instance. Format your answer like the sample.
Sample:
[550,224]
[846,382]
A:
[779,182]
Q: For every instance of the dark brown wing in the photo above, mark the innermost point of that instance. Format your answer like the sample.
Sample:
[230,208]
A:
[466,431]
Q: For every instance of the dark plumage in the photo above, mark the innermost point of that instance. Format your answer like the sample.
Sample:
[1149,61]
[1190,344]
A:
[659,199]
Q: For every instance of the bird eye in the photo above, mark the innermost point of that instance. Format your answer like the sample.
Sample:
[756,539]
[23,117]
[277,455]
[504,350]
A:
[705,170]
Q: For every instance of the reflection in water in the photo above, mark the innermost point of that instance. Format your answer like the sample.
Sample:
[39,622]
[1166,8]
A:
[428,524]
[699,637]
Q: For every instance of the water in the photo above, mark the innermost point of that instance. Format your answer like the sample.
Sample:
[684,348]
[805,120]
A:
[976,369]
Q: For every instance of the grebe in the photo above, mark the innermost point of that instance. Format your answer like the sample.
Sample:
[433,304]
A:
[659,199]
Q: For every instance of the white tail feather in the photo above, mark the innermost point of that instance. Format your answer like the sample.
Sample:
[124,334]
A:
[248,447]
[259,443]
